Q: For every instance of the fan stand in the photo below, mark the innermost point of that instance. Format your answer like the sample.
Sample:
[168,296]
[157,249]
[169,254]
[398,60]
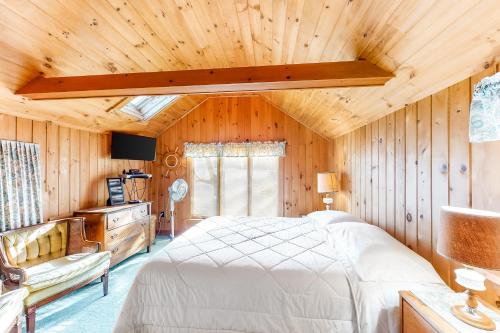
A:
[176,192]
[172,219]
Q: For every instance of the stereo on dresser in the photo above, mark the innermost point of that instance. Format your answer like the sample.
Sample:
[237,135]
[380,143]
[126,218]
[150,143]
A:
[123,230]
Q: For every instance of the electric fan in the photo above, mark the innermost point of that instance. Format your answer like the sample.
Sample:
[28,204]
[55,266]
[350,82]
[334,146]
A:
[176,192]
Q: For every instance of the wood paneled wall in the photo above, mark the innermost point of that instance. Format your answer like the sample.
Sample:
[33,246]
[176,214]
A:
[252,118]
[398,171]
[74,163]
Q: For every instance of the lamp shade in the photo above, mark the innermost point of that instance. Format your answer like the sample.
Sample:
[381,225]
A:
[470,236]
[327,182]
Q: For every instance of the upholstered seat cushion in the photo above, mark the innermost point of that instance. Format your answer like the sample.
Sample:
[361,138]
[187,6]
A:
[39,295]
[62,269]
[11,306]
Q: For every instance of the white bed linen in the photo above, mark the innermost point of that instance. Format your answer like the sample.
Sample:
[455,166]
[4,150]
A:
[325,217]
[242,275]
[257,275]
[377,267]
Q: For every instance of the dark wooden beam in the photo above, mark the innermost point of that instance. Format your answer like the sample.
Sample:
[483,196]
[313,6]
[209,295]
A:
[202,81]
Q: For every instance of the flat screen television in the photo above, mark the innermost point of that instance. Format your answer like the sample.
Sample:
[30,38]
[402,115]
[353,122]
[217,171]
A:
[132,147]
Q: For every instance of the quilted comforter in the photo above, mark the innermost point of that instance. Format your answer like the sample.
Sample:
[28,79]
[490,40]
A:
[249,275]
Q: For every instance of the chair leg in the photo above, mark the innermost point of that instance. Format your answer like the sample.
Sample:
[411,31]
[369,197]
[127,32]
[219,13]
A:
[30,320]
[105,279]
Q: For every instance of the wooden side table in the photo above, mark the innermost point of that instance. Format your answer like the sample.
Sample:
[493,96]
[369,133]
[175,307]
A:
[417,316]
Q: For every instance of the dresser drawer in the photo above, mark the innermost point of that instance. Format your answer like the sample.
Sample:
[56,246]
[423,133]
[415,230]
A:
[119,234]
[140,212]
[120,218]
[123,230]
[128,247]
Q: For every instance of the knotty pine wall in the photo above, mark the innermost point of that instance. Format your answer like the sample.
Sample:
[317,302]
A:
[237,119]
[398,171]
[75,163]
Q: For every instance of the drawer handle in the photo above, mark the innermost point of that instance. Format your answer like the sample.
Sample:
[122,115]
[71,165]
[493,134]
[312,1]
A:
[115,219]
[143,212]
[114,250]
[114,236]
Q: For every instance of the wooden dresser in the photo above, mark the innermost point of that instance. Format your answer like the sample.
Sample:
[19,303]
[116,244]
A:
[124,230]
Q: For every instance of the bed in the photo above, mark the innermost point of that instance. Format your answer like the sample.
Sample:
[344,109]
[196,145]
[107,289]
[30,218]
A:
[320,273]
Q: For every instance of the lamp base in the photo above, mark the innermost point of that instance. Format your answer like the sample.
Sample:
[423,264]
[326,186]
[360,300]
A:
[474,318]
[328,201]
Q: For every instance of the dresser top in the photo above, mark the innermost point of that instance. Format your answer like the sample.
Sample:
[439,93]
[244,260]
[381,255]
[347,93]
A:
[109,209]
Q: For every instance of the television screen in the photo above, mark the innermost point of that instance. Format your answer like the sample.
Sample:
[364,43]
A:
[132,147]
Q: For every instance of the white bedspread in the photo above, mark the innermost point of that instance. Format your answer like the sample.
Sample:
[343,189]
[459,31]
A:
[242,275]
[255,275]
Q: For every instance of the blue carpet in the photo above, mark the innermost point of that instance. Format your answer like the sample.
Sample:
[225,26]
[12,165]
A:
[87,310]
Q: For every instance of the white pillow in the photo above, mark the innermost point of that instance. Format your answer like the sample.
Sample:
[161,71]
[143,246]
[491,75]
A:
[376,256]
[325,217]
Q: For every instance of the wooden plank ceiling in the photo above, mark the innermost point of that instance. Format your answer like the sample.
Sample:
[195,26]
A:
[427,44]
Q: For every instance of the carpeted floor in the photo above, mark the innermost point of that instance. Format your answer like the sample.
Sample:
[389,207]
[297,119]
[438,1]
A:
[86,310]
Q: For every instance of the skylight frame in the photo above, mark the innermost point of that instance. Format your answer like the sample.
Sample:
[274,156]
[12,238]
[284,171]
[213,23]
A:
[146,107]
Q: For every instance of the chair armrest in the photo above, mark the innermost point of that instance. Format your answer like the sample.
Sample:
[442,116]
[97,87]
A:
[76,228]
[92,244]
[88,242]
[9,270]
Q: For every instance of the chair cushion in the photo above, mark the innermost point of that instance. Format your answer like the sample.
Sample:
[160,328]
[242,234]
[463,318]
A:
[27,246]
[42,294]
[11,306]
[62,269]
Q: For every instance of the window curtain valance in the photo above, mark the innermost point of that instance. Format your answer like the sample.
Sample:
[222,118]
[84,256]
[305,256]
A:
[235,149]
[485,110]
[20,185]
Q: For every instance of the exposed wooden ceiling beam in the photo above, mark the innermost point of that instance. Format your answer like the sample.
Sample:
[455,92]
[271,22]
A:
[201,81]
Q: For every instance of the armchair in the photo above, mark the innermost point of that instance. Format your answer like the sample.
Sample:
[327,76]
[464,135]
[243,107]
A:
[51,260]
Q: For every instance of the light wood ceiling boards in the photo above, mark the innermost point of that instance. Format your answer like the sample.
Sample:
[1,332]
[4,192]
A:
[427,44]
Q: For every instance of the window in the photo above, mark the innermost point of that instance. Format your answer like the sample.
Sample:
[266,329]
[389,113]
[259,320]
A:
[145,107]
[235,186]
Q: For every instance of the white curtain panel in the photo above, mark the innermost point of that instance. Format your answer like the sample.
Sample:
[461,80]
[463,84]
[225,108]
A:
[20,185]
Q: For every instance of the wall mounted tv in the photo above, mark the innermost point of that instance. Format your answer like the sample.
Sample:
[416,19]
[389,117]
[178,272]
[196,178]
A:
[132,147]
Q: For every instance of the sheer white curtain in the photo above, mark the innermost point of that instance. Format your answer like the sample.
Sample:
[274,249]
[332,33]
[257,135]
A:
[204,189]
[264,186]
[20,185]
[234,186]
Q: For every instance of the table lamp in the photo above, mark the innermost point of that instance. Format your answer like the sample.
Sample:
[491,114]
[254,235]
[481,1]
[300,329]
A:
[327,183]
[471,237]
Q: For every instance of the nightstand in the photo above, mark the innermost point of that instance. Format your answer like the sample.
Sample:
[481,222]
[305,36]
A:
[417,316]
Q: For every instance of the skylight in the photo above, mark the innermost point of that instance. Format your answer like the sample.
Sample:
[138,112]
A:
[146,107]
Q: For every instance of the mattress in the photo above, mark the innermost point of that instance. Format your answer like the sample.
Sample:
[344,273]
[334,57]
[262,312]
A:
[255,275]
